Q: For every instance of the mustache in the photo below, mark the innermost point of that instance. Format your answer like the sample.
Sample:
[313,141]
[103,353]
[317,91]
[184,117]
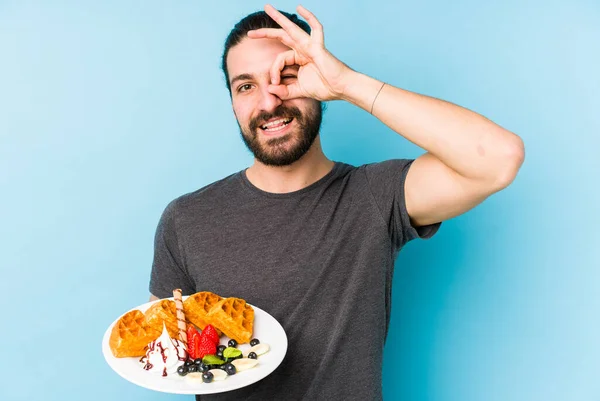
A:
[280,112]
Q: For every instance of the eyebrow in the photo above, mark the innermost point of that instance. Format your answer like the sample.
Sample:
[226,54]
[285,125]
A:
[241,77]
[246,76]
[291,68]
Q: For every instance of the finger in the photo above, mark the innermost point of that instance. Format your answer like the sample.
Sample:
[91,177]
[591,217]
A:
[286,92]
[315,26]
[282,59]
[292,29]
[272,33]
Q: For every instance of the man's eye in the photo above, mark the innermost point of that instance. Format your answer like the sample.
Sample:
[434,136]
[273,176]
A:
[288,77]
[244,87]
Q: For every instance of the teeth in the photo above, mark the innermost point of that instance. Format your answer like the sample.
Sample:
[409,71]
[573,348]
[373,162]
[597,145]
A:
[276,122]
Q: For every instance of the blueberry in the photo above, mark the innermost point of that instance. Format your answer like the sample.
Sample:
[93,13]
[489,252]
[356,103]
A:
[188,363]
[252,355]
[221,348]
[197,361]
[203,368]
[192,368]
[230,369]
[207,377]
[254,342]
[182,370]
[232,343]
[220,354]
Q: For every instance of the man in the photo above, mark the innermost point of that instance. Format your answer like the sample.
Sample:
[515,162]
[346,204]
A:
[309,240]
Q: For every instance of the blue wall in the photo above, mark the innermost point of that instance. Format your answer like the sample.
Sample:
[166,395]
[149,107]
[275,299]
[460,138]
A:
[108,111]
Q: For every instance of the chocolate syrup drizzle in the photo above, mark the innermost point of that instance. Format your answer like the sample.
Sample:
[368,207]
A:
[158,344]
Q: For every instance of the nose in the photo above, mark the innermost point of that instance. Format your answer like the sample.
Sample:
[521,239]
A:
[268,101]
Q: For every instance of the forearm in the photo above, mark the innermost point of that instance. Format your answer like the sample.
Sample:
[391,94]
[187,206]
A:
[466,142]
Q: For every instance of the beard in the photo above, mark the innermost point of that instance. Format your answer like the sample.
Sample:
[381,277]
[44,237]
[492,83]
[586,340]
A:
[287,149]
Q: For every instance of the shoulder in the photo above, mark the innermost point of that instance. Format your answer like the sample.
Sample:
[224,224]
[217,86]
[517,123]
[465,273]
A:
[387,170]
[391,166]
[207,196]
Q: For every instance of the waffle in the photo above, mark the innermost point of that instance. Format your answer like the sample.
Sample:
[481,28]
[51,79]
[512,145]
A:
[234,317]
[163,311]
[197,306]
[131,334]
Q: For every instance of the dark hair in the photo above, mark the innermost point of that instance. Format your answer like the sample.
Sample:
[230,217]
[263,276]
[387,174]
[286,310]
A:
[257,20]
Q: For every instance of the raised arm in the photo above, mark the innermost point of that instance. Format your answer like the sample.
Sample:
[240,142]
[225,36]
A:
[468,157]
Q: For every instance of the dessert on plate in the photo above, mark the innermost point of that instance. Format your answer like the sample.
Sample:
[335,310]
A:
[167,339]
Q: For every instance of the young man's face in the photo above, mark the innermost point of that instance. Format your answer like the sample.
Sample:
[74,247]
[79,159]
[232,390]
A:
[277,132]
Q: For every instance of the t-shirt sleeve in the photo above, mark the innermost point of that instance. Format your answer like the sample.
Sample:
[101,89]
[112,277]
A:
[168,267]
[386,182]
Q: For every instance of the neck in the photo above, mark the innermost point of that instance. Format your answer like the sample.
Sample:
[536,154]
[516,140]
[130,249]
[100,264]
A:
[310,168]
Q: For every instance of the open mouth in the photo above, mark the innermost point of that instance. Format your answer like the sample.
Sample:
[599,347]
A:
[276,125]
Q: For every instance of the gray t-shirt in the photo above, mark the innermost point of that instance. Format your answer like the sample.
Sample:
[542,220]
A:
[320,260]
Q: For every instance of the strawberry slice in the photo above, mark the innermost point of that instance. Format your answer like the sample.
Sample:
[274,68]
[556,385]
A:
[205,347]
[211,333]
[193,338]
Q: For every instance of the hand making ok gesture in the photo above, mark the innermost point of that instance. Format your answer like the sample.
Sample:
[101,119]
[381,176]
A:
[321,76]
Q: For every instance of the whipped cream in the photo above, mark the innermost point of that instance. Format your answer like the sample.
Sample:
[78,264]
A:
[164,355]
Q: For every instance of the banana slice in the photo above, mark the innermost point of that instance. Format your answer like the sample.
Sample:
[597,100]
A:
[194,377]
[218,374]
[244,364]
[259,349]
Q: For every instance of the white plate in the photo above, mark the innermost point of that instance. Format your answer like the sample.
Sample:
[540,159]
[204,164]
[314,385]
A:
[266,329]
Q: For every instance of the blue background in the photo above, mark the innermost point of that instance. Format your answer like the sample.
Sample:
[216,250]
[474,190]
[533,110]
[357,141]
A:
[108,111]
